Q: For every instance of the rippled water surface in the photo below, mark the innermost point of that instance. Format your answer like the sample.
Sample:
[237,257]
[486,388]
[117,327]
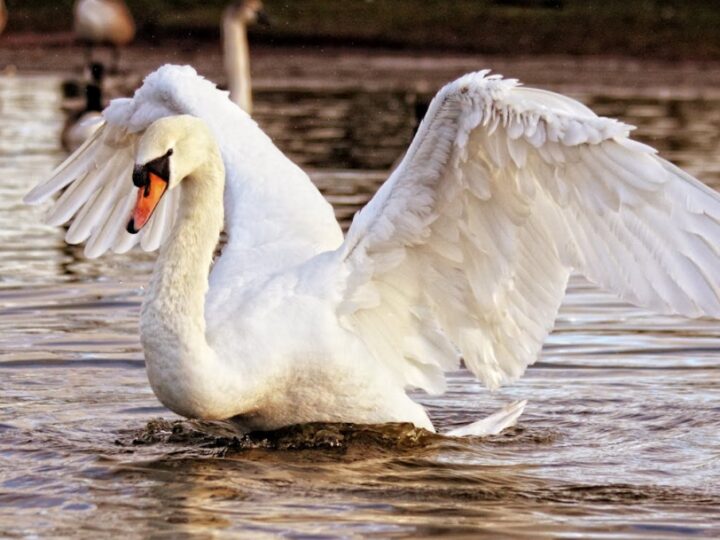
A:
[621,437]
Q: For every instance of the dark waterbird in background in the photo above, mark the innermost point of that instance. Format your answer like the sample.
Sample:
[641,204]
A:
[82,124]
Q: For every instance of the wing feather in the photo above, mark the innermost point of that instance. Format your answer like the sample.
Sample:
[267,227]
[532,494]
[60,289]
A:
[502,193]
[74,166]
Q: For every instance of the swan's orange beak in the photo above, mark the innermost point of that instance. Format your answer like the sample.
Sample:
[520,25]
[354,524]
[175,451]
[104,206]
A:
[148,197]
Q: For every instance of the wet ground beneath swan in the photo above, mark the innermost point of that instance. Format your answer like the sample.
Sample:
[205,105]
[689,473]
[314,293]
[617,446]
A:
[620,439]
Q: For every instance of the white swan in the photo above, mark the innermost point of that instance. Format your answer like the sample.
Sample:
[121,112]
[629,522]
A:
[464,251]
[236,17]
[103,22]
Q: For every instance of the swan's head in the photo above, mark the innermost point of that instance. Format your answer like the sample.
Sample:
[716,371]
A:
[248,12]
[170,150]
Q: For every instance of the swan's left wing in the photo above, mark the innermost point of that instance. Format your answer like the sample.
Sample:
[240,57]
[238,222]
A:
[97,194]
[94,184]
[467,248]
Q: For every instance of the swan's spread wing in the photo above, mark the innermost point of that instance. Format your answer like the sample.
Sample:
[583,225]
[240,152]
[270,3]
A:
[99,194]
[95,182]
[270,204]
[468,245]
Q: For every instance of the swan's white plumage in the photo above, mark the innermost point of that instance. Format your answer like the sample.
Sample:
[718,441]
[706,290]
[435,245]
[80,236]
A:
[464,251]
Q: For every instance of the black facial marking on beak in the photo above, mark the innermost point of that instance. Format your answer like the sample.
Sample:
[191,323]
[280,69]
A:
[139,176]
[131,226]
[159,166]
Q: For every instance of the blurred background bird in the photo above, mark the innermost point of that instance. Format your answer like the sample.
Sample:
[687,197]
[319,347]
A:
[104,23]
[3,16]
[83,123]
[236,18]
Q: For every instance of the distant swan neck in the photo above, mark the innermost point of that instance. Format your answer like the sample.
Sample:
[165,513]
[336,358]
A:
[237,60]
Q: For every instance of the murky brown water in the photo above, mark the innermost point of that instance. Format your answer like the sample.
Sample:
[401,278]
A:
[621,437]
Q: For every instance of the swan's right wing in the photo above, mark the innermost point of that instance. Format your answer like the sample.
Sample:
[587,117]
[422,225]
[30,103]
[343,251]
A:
[468,246]
[95,183]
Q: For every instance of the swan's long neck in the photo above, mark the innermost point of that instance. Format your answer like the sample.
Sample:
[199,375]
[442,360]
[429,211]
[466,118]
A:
[180,279]
[237,60]
[179,361]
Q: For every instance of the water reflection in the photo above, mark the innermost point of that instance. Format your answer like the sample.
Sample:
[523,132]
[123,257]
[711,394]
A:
[620,437]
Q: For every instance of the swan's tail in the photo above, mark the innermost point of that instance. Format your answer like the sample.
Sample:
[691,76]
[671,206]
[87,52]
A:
[493,424]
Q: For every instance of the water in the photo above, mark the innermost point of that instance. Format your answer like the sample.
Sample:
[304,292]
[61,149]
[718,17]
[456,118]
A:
[621,438]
